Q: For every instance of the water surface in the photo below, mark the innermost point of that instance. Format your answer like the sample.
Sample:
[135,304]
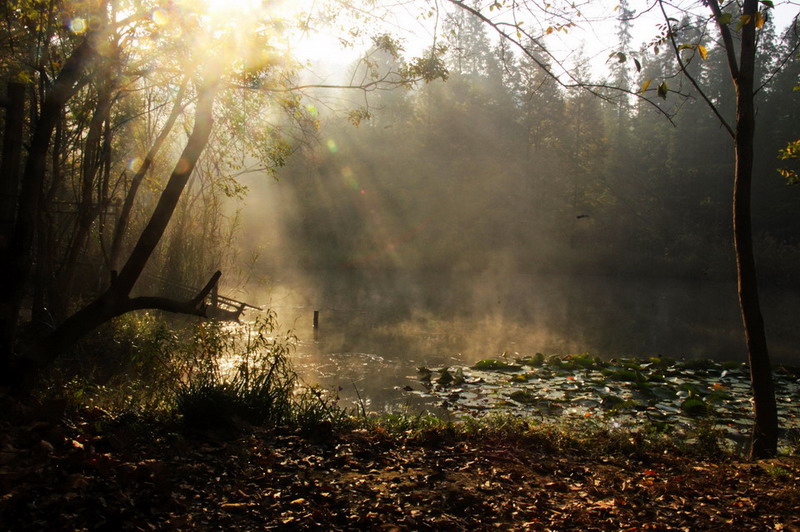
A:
[375,328]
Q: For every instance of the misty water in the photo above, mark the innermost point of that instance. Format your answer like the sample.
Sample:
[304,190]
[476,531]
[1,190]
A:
[376,328]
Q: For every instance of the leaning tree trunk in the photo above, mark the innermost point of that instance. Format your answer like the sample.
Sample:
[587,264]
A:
[765,428]
[136,181]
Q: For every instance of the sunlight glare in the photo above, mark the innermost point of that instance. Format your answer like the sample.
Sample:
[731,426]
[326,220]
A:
[226,8]
[160,17]
[238,11]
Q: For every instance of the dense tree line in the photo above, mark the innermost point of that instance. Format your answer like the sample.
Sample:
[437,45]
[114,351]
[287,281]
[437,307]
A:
[500,167]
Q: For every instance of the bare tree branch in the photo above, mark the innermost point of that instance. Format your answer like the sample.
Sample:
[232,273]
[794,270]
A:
[676,50]
[577,83]
[727,38]
[788,57]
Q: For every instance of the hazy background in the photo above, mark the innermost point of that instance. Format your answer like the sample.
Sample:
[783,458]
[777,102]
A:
[499,212]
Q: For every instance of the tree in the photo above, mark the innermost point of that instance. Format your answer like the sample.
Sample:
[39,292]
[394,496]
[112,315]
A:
[742,25]
[743,70]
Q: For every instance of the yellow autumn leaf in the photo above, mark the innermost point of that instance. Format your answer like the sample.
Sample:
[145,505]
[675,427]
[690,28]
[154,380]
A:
[703,51]
[759,20]
[645,85]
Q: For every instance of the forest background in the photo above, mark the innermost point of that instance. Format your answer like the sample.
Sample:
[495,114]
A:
[501,169]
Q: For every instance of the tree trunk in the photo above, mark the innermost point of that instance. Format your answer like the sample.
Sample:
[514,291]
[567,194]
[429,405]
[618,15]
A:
[12,156]
[765,429]
[89,206]
[16,261]
[9,188]
[136,181]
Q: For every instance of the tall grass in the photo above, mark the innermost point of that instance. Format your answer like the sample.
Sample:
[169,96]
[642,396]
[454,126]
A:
[229,377]
[235,376]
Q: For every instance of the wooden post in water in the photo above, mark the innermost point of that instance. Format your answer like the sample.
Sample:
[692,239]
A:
[215,296]
[316,319]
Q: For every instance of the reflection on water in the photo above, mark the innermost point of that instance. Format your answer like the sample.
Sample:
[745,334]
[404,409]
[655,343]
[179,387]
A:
[376,328]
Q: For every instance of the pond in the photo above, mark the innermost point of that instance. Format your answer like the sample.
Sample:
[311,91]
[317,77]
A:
[376,328]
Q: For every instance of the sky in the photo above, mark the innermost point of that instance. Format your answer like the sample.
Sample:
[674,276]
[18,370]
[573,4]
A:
[594,33]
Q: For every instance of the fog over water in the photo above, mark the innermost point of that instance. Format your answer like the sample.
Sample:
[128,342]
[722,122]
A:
[376,328]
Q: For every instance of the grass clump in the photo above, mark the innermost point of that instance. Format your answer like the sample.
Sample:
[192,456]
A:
[702,364]
[245,377]
[594,438]
[706,440]
[777,472]
[232,377]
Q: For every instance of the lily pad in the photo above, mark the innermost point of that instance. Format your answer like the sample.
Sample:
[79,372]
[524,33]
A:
[424,374]
[533,361]
[611,401]
[626,375]
[524,397]
[694,407]
[445,378]
[490,364]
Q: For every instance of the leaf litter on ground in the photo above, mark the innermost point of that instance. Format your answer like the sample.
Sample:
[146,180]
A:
[92,471]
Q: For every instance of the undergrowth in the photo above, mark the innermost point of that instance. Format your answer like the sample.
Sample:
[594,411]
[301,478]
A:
[583,437]
[208,375]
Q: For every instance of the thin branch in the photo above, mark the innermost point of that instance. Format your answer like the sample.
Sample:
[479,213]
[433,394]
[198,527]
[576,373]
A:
[788,57]
[676,50]
[589,87]
[727,38]
[166,304]
[378,84]
[499,30]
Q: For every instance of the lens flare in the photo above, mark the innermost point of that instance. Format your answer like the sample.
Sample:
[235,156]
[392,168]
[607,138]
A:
[160,17]
[349,178]
[78,25]
[135,164]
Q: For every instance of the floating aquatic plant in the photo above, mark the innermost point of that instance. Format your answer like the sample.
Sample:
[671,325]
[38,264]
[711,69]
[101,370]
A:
[626,390]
